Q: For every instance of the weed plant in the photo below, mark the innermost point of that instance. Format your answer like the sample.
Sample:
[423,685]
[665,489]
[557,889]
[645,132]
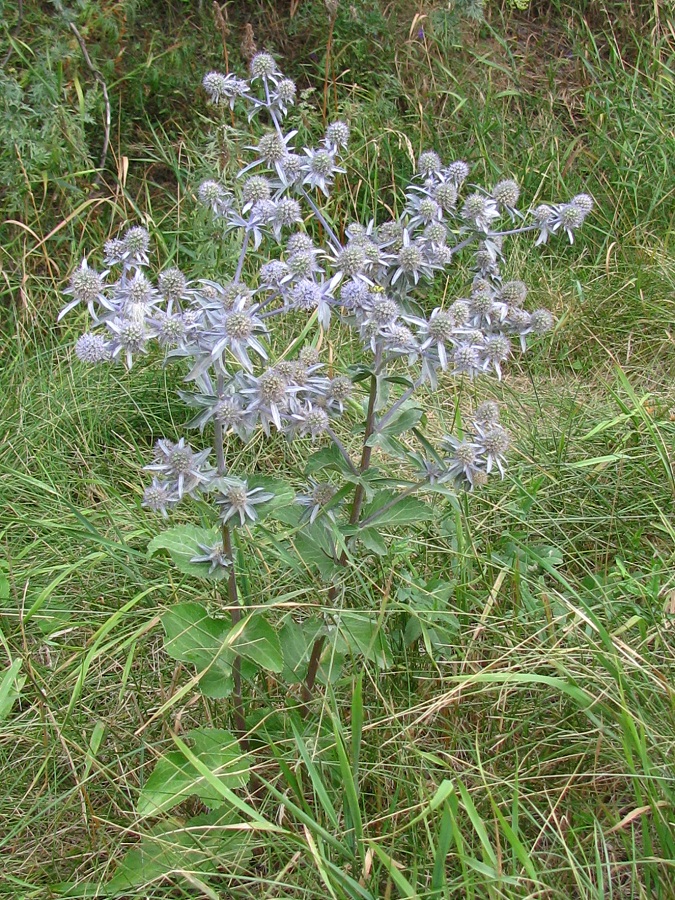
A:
[532,758]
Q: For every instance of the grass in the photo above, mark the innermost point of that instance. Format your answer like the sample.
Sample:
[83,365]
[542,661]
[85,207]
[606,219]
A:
[531,756]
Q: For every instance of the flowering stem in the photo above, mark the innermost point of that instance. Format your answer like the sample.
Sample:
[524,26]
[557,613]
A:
[218,435]
[232,593]
[406,395]
[235,612]
[317,212]
[343,450]
[367,451]
[242,255]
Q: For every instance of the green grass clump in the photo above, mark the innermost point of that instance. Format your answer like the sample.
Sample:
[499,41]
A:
[522,744]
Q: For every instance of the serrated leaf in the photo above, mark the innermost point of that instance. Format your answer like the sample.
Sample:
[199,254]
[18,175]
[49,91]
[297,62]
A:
[201,845]
[259,642]
[296,640]
[406,511]
[182,544]
[363,636]
[404,420]
[313,555]
[174,777]
[193,636]
[370,539]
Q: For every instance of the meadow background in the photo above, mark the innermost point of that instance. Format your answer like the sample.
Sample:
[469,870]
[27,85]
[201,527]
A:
[533,756]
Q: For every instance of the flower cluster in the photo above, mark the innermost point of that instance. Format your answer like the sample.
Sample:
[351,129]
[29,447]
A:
[372,282]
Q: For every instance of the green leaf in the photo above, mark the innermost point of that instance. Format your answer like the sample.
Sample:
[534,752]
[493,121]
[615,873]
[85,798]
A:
[193,636]
[313,555]
[327,458]
[371,539]
[203,845]
[296,640]
[174,777]
[182,544]
[404,420]
[10,688]
[407,511]
[362,635]
[259,642]
[282,490]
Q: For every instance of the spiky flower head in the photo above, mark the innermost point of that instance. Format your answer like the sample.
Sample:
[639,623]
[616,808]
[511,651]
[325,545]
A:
[428,209]
[291,167]
[351,260]
[216,86]
[214,555]
[465,359]
[272,387]
[482,302]
[474,206]
[271,148]
[337,134]
[571,217]
[299,242]
[211,193]
[257,187]
[159,497]
[311,421]
[236,499]
[306,294]
[541,321]
[239,325]
[410,258]
[262,65]
[391,234]
[288,212]
[227,412]
[506,192]
[319,496]
[543,215]
[301,264]
[494,441]
[113,251]
[514,292]
[383,309]
[286,91]
[273,273]
[441,325]
[137,241]
[458,171]
[85,284]
[497,347]
[354,294]
[341,388]
[583,202]
[323,493]
[172,284]
[178,463]
[309,356]
[445,194]
[460,312]
[487,413]
[92,348]
[264,211]
[429,163]
[399,339]
[170,329]
[321,162]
